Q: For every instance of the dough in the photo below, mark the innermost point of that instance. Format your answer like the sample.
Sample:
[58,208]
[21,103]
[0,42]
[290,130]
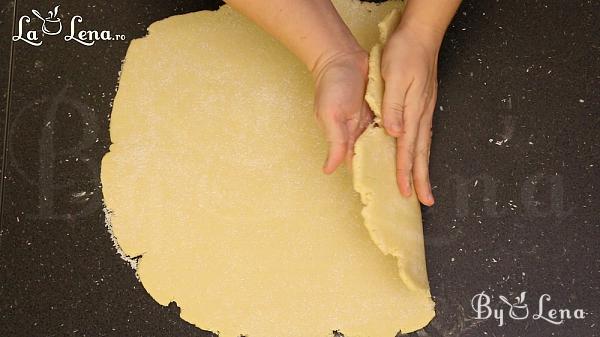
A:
[374,94]
[214,181]
[394,222]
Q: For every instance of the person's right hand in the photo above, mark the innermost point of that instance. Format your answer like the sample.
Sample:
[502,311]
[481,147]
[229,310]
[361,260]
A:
[339,103]
[409,69]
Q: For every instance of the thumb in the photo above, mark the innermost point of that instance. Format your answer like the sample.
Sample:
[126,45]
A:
[355,128]
[337,137]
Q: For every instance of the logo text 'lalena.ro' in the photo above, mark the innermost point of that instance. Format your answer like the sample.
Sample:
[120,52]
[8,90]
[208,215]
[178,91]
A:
[51,25]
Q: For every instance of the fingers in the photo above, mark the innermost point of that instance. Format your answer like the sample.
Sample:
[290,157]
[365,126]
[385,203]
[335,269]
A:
[421,166]
[407,139]
[393,104]
[409,72]
[342,135]
[339,98]
[337,137]
[404,158]
[356,128]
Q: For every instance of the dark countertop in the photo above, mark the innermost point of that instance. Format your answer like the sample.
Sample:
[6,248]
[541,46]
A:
[515,164]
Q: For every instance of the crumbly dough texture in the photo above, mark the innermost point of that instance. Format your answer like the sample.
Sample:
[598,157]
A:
[394,222]
[374,94]
[214,179]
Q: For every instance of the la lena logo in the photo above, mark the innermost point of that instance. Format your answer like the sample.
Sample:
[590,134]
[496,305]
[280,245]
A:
[519,309]
[51,25]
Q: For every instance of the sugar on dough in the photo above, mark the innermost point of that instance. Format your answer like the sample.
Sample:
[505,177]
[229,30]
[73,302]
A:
[214,179]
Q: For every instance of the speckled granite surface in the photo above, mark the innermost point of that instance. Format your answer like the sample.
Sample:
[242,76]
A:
[515,164]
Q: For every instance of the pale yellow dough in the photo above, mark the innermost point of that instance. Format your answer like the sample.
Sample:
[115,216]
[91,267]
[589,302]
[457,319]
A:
[214,178]
[394,222]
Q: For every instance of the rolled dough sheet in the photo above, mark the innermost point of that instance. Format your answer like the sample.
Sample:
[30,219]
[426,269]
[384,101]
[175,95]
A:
[214,179]
[394,222]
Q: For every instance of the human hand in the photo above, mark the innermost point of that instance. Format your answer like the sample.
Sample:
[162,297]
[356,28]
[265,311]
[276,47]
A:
[339,103]
[409,70]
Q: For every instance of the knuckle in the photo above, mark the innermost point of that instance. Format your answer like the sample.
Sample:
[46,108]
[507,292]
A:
[408,149]
[337,146]
[395,108]
[426,125]
[403,171]
[329,116]
[423,151]
[412,116]
[421,176]
[364,122]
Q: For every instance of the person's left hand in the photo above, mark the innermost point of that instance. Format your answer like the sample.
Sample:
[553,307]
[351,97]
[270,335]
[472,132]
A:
[409,69]
[340,105]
